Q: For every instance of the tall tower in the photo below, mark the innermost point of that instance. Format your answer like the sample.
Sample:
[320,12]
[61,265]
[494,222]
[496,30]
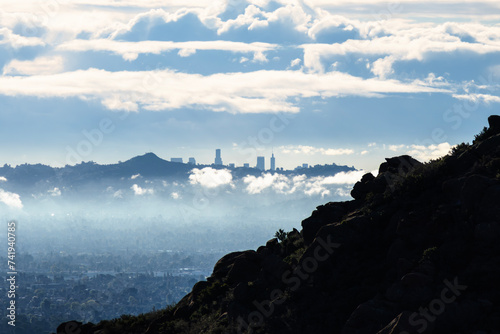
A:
[218,159]
[261,163]
[273,163]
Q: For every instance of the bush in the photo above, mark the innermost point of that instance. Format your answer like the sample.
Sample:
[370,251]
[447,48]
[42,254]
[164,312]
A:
[459,149]
[484,134]
[429,255]
[280,235]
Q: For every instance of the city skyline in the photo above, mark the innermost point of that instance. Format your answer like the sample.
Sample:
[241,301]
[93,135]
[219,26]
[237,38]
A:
[260,163]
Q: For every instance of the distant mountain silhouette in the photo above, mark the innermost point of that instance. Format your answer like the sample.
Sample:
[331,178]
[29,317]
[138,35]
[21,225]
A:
[416,251]
[147,165]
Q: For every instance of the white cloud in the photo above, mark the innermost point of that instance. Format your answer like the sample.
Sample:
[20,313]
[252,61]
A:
[478,98]
[252,92]
[141,191]
[383,67]
[425,153]
[7,37]
[133,177]
[395,148]
[131,50]
[118,194]
[295,62]
[3,179]
[344,177]
[175,195]
[56,192]
[186,52]
[277,182]
[260,57]
[288,185]
[11,199]
[211,178]
[310,150]
[404,40]
[38,66]
[364,152]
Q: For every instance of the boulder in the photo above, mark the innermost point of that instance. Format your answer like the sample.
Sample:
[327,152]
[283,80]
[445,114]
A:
[369,317]
[409,323]
[494,123]
[323,215]
[399,165]
[474,189]
[363,187]
[72,327]
[225,265]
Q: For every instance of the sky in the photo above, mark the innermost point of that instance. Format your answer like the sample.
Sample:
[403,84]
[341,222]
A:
[314,81]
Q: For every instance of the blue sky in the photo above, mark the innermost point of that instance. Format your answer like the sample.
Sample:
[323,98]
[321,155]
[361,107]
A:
[317,81]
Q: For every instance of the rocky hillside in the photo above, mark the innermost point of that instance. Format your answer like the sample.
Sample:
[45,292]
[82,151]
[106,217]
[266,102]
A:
[416,251]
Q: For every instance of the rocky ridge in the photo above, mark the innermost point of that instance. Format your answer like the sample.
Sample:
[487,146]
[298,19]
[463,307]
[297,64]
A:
[416,251]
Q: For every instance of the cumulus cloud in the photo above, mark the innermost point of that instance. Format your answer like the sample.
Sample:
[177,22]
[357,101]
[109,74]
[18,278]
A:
[277,182]
[383,67]
[425,153]
[133,177]
[288,185]
[141,191]
[399,40]
[3,179]
[11,199]
[209,177]
[310,150]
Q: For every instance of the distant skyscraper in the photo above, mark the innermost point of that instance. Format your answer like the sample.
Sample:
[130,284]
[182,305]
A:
[246,165]
[305,165]
[273,162]
[261,163]
[232,165]
[176,160]
[218,159]
[192,161]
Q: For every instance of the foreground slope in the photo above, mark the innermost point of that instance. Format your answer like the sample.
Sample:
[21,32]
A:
[416,251]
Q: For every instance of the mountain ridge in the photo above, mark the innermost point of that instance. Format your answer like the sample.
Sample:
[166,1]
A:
[416,251]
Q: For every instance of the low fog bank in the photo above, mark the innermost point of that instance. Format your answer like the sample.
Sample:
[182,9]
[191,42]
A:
[209,210]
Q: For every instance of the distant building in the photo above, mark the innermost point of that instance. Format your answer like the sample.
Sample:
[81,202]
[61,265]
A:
[305,165]
[273,163]
[232,165]
[192,161]
[261,163]
[246,165]
[218,159]
[176,160]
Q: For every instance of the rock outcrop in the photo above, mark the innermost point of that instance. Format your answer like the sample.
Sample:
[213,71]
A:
[416,251]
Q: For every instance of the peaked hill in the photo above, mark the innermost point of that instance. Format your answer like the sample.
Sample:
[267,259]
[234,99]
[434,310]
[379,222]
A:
[416,251]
